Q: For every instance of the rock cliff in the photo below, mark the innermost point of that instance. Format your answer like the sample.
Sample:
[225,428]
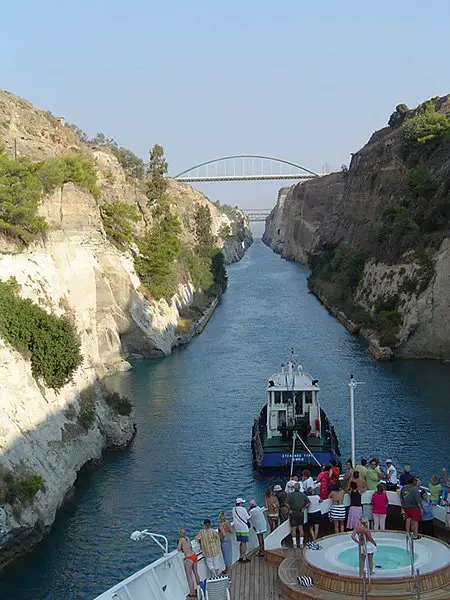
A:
[74,270]
[376,235]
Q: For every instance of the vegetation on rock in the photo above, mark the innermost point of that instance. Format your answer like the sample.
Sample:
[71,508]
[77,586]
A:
[86,412]
[119,404]
[118,219]
[132,164]
[23,184]
[157,170]
[21,487]
[336,272]
[51,343]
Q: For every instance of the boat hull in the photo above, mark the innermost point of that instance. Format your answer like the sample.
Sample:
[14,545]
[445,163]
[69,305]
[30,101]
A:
[275,455]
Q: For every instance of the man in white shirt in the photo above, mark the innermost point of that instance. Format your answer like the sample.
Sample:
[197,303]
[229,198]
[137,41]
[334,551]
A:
[391,476]
[241,520]
[259,524]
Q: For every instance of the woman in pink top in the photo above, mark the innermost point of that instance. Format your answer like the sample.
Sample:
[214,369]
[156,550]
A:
[324,479]
[379,504]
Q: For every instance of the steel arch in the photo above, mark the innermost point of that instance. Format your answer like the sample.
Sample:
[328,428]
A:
[280,160]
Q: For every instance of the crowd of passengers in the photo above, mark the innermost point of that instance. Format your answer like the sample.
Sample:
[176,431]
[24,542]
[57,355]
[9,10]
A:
[301,502]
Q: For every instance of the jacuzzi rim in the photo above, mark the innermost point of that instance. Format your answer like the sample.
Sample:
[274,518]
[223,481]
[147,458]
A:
[387,579]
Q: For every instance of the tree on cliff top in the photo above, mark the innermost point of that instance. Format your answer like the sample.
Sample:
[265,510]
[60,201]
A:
[157,169]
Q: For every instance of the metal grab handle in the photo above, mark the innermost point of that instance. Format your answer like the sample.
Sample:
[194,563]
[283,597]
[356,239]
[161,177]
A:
[139,535]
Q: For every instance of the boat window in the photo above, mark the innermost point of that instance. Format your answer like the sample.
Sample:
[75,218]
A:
[287,396]
[277,397]
[308,397]
[298,403]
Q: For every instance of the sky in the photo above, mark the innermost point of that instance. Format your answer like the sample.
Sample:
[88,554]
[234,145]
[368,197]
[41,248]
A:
[304,81]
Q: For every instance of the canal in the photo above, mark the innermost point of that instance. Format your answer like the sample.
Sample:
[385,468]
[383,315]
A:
[194,412]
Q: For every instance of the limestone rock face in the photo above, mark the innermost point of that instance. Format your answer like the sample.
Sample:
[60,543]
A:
[75,271]
[342,208]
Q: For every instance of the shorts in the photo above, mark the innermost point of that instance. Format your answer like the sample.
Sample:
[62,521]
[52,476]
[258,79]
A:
[262,531]
[296,519]
[213,563]
[412,513]
[242,536]
[315,518]
[371,549]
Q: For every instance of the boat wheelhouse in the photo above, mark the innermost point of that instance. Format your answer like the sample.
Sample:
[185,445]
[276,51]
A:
[292,428]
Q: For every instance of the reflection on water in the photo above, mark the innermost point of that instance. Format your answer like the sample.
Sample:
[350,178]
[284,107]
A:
[194,411]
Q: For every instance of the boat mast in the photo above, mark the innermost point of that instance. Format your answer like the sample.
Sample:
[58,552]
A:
[352,385]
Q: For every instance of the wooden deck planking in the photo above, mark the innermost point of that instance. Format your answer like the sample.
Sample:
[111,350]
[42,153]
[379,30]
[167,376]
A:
[256,580]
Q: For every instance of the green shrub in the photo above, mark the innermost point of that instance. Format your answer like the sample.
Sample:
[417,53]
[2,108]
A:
[131,164]
[397,221]
[225,231]
[118,218]
[120,404]
[75,168]
[23,185]
[408,285]
[28,486]
[21,191]
[422,128]
[86,413]
[159,249]
[426,268]
[20,487]
[421,183]
[50,342]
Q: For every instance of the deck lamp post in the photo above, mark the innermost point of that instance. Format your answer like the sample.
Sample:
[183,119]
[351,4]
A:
[352,384]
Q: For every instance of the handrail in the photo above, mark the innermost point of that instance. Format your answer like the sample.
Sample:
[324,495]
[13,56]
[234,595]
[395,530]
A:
[415,574]
[365,576]
[139,535]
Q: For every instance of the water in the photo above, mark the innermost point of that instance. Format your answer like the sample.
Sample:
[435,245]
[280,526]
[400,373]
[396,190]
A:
[194,412]
[385,558]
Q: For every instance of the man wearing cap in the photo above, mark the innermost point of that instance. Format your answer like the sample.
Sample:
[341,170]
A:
[259,524]
[241,521]
[209,541]
[391,476]
[298,503]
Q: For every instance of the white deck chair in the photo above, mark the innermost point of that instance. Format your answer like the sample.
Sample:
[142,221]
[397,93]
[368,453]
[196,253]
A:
[216,589]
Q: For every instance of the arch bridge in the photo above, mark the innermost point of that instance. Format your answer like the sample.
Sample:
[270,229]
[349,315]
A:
[245,167]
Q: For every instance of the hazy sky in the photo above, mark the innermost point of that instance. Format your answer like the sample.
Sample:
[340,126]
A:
[304,81]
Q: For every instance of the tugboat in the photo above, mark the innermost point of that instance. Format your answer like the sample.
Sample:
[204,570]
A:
[292,428]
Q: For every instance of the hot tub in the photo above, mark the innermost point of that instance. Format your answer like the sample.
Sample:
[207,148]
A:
[339,555]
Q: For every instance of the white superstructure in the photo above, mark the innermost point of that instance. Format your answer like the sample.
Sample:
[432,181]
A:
[292,397]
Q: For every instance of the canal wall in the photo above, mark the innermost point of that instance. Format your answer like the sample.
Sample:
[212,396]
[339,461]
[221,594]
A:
[76,271]
[376,236]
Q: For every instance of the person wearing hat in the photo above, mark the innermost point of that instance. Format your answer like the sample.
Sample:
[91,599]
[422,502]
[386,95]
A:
[209,541]
[241,521]
[258,522]
[391,476]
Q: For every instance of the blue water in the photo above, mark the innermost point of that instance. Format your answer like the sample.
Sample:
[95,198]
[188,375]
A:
[194,412]
[385,557]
